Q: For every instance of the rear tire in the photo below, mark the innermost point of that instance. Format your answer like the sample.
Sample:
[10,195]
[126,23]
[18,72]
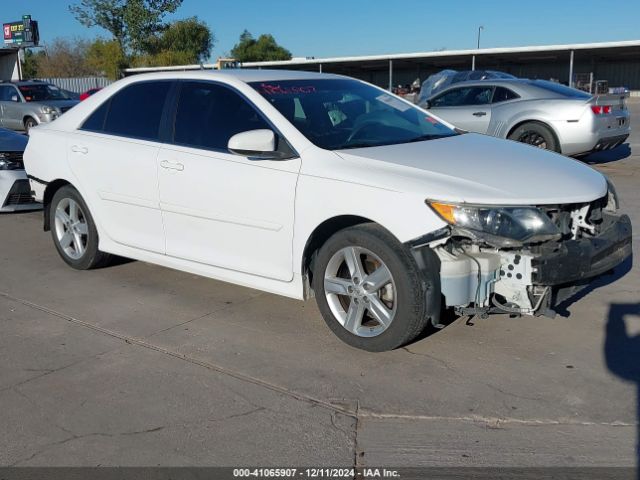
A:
[382,303]
[74,232]
[29,123]
[535,134]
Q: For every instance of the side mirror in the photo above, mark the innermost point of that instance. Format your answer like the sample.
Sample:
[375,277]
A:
[14,98]
[255,144]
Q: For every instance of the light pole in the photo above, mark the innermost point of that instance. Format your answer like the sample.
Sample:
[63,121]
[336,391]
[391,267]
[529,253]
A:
[473,58]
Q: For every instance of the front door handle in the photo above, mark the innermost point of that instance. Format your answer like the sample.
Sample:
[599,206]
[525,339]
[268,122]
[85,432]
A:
[479,114]
[172,165]
[79,149]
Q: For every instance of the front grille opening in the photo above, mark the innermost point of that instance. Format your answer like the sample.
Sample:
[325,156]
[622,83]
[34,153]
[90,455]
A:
[560,215]
[20,194]
[14,159]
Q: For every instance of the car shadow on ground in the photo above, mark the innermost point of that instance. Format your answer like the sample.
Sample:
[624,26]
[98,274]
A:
[593,284]
[622,353]
[608,156]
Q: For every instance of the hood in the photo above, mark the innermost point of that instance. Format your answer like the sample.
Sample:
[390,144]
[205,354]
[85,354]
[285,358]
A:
[476,168]
[57,103]
[11,141]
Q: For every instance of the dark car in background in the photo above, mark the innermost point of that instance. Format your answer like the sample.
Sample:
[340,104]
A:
[15,192]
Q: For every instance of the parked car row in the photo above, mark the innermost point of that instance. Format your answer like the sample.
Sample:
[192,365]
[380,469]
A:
[315,185]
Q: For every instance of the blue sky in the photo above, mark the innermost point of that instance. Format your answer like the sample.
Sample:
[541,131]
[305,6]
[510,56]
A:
[359,27]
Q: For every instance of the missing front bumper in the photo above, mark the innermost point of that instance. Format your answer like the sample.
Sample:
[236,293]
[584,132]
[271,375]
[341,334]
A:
[478,279]
[577,260]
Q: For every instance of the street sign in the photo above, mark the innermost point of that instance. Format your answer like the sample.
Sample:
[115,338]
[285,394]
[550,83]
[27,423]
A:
[22,33]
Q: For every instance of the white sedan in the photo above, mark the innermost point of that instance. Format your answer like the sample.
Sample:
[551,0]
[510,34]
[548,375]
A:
[306,184]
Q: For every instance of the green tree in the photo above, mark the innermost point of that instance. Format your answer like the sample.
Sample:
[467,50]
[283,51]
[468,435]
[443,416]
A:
[131,22]
[64,57]
[163,58]
[106,58]
[30,63]
[265,48]
[189,39]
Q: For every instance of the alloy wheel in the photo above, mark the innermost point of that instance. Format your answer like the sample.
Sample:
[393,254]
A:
[533,138]
[360,291]
[71,228]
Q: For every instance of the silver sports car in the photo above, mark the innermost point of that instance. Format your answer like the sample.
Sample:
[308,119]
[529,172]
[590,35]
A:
[541,113]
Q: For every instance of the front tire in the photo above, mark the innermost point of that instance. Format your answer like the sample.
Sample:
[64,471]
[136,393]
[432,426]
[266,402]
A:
[74,232]
[370,291]
[537,135]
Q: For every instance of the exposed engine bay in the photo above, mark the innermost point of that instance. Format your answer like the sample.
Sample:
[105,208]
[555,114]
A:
[482,274]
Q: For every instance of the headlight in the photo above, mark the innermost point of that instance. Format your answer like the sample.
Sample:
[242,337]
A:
[612,197]
[47,109]
[519,224]
[5,164]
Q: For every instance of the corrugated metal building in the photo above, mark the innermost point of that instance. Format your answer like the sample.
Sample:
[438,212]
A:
[616,62]
[79,84]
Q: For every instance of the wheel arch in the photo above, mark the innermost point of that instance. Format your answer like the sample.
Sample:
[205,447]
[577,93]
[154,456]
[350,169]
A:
[49,192]
[27,117]
[519,123]
[321,234]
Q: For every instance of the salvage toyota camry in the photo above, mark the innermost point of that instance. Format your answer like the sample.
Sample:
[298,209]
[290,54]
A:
[306,184]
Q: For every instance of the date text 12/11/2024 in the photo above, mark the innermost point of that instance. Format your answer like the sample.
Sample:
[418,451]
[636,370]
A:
[364,473]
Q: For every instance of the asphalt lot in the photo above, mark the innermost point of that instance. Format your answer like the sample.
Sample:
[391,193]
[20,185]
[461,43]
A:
[140,365]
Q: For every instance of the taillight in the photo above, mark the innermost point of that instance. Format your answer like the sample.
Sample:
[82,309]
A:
[601,109]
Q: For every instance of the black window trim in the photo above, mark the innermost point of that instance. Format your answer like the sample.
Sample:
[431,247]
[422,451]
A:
[107,102]
[495,87]
[170,110]
[173,112]
[460,87]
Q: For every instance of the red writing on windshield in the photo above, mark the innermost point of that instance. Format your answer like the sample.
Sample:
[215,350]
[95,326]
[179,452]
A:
[271,89]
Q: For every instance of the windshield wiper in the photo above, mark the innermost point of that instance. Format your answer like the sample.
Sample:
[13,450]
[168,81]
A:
[430,136]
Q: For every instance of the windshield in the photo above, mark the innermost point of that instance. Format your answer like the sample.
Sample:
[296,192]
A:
[38,93]
[336,114]
[561,89]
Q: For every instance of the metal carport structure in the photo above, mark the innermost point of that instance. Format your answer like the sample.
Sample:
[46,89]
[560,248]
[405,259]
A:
[618,62]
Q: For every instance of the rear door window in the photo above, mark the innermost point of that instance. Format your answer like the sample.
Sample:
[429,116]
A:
[133,112]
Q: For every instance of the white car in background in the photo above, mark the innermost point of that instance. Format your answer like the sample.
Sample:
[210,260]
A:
[537,112]
[305,184]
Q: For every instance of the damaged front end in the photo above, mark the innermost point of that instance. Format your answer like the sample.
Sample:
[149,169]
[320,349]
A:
[525,260]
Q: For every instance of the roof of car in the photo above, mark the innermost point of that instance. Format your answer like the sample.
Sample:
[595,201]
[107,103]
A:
[532,87]
[26,82]
[244,75]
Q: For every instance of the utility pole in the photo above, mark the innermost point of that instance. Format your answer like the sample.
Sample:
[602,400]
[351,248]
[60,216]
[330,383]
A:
[473,58]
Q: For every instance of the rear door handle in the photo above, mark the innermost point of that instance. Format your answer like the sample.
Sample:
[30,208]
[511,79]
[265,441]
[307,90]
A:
[479,114]
[172,165]
[79,149]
